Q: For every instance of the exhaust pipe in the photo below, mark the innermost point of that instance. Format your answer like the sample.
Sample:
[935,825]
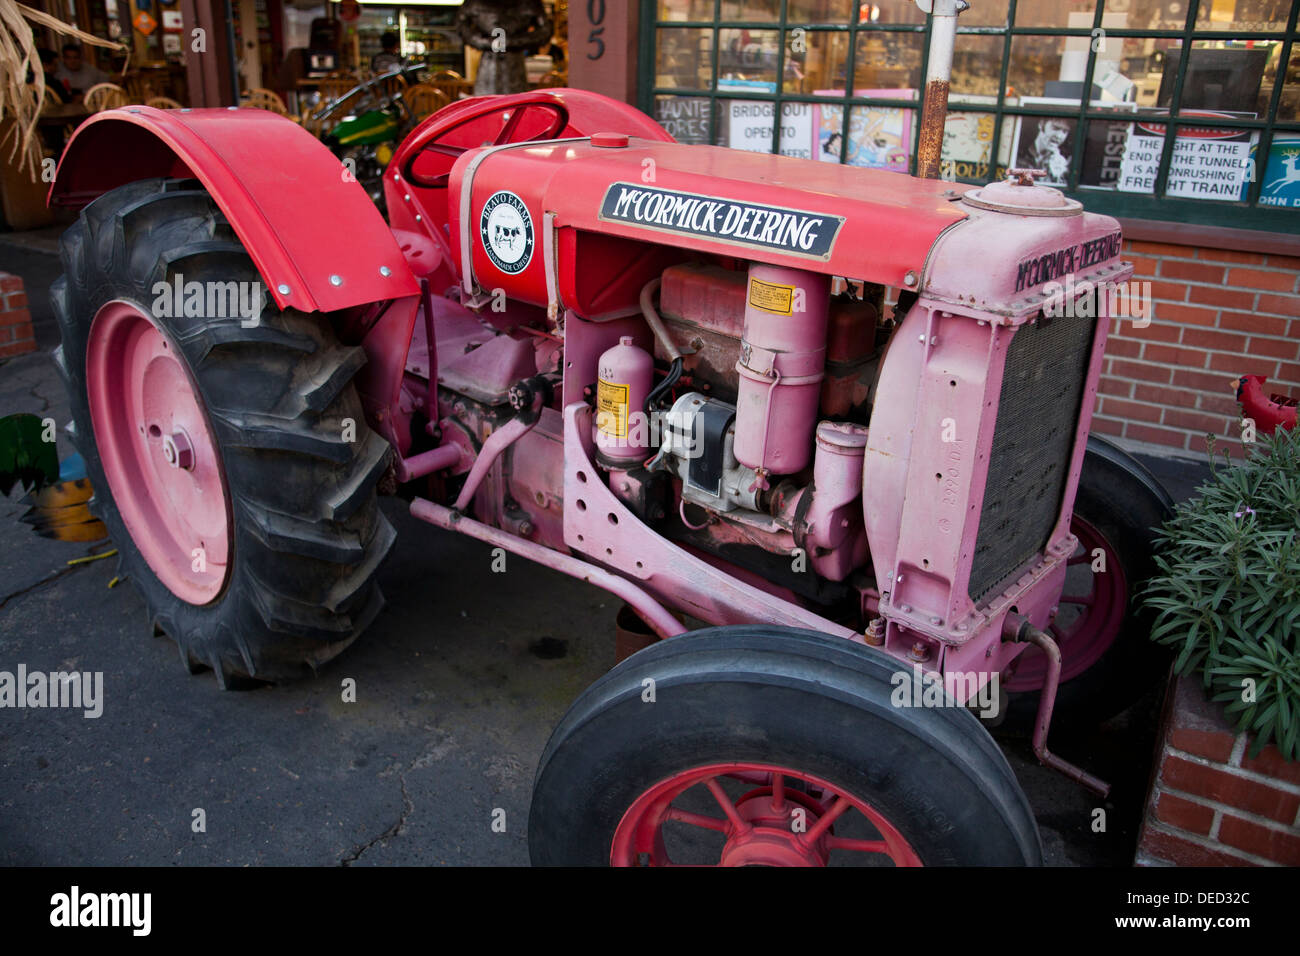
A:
[938,76]
[1019,629]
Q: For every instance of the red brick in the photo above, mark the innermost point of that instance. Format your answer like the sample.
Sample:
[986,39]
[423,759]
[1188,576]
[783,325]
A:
[1259,279]
[1230,788]
[1284,262]
[1231,255]
[1154,435]
[1270,764]
[17,317]
[1210,744]
[1114,386]
[1123,347]
[1169,355]
[10,283]
[1184,814]
[1214,340]
[1219,405]
[1119,408]
[1252,322]
[1163,395]
[1288,372]
[1143,266]
[1176,850]
[1275,845]
[1233,363]
[1172,291]
[17,348]
[1204,381]
[1191,271]
[1161,249]
[1140,371]
[1219,296]
[1196,421]
[1106,426]
[15,300]
[7,334]
[1155,332]
[1278,304]
[1184,314]
[1287,349]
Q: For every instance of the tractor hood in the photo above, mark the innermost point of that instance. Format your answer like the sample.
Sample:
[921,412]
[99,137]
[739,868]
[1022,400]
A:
[511,207]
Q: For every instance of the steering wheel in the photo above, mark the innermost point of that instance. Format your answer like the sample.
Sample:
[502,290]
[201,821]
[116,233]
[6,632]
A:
[559,120]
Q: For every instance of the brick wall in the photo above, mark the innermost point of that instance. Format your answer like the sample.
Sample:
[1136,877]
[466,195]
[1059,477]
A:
[1216,314]
[16,335]
[1211,804]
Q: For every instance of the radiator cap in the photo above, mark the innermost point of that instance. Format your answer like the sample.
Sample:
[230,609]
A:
[1019,195]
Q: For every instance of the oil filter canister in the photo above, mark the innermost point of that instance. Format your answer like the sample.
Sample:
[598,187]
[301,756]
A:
[625,375]
[782,358]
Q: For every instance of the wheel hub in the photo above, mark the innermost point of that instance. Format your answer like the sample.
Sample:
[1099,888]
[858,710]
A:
[159,456]
[776,832]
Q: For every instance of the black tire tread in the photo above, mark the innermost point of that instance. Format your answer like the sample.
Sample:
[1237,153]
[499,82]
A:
[308,533]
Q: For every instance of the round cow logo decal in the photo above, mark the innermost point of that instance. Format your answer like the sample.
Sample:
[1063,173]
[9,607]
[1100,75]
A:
[506,229]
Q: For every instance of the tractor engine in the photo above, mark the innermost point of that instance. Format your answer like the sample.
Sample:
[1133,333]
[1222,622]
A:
[773,393]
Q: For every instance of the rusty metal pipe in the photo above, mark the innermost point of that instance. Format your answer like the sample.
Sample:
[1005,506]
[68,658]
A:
[938,76]
[651,611]
[1024,632]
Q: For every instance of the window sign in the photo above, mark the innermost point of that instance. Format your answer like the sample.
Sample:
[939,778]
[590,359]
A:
[1207,163]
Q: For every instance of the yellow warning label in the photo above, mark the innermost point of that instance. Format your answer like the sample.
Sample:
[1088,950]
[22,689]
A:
[770,297]
[611,408]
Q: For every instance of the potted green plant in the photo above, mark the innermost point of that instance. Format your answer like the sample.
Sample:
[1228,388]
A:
[1227,590]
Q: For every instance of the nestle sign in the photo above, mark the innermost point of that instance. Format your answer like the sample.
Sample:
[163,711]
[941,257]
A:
[809,234]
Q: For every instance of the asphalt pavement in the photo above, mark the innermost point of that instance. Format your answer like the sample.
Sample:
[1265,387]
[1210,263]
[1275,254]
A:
[458,685]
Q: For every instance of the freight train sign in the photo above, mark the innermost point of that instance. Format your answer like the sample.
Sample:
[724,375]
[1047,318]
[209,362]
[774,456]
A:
[810,234]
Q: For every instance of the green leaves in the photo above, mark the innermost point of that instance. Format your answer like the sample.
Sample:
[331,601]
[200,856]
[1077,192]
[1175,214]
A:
[1227,591]
[27,453]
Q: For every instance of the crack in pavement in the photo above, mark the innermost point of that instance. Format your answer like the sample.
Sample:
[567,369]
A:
[408,807]
[49,579]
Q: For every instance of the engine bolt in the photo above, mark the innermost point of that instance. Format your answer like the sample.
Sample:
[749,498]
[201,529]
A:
[920,651]
[875,635]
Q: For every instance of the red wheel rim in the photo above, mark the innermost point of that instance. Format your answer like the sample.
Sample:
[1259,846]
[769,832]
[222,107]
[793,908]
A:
[783,818]
[1090,616]
[158,453]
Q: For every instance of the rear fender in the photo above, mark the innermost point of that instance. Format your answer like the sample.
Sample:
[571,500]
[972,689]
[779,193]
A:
[316,238]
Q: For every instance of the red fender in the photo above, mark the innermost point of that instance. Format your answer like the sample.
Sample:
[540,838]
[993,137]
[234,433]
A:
[308,229]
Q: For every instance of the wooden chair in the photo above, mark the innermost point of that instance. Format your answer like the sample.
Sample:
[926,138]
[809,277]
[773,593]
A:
[138,88]
[554,78]
[105,96]
[424,100]
[163,103]
[260,98]
[334,85]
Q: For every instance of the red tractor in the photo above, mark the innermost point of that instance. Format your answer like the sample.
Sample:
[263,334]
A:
[667,370]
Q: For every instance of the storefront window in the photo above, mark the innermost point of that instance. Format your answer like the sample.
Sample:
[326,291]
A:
[1101,99]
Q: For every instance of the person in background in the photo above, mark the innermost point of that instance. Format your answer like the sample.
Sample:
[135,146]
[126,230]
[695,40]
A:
[54,86]
[390,59]
[78,75]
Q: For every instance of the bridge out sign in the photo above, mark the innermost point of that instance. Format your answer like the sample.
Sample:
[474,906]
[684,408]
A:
[750,127]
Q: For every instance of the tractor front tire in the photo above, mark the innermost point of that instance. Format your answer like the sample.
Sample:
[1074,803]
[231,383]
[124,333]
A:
[229,453]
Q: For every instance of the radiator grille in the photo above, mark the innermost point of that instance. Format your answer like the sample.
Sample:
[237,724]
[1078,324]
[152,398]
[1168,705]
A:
[1038,413]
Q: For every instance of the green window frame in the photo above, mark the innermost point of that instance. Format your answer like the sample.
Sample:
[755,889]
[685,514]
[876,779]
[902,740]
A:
[1156,205]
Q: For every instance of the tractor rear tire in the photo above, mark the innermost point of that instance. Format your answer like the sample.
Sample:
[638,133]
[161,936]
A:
[641,769]
[1108,661]
[281,459]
